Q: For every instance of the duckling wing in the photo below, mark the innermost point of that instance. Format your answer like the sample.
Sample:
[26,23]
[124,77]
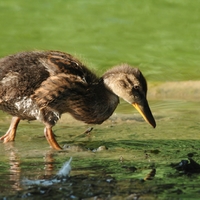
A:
[20,75]
[23,73]
[56,91]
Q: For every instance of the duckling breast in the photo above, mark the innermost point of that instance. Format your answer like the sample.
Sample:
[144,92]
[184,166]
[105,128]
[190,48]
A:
[24,107]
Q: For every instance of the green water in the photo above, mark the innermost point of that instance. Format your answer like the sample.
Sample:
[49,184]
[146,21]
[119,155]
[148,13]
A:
[159,37]
[132,150]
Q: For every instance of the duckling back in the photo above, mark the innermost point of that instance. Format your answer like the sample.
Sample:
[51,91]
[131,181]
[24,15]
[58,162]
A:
[27,82]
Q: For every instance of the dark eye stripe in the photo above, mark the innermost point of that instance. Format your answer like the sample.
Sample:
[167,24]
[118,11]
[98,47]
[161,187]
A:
[124,84]
[130,82]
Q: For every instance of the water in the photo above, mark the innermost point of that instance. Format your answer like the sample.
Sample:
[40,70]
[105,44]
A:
[130,150]
[161,38]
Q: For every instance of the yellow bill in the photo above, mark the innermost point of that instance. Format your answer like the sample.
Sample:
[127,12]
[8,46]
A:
[144,110]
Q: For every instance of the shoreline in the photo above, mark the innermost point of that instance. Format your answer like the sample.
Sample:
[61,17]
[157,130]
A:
[184,90]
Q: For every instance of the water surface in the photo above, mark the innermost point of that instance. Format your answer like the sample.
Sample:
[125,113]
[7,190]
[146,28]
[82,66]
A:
[119,153]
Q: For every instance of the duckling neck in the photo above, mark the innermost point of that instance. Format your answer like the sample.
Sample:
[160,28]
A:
[97,105]
[111,85]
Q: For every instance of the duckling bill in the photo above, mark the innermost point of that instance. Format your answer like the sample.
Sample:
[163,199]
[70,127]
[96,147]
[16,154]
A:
[42,85]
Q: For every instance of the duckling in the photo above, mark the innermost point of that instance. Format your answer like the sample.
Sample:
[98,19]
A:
[42,85]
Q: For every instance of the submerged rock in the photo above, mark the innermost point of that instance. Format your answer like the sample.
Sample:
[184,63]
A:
[187,166]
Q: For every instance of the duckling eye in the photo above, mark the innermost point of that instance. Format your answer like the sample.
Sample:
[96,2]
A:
[135,91]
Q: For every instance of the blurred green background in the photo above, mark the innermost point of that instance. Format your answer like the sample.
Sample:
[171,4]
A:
[161,37]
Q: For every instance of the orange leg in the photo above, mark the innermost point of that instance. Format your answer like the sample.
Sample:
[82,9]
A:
[51,139]
[11,133]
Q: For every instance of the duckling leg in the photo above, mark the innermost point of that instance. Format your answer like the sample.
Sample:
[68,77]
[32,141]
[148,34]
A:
[11,133]
[51,139]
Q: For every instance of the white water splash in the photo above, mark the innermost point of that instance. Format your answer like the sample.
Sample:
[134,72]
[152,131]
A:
[61,176]
[65,169]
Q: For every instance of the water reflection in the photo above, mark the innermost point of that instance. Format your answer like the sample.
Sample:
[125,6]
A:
[15,172]
[48,163]
[14,162]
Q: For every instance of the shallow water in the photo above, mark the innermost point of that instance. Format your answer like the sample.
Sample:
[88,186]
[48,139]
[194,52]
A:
[112,161]
[104,34]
